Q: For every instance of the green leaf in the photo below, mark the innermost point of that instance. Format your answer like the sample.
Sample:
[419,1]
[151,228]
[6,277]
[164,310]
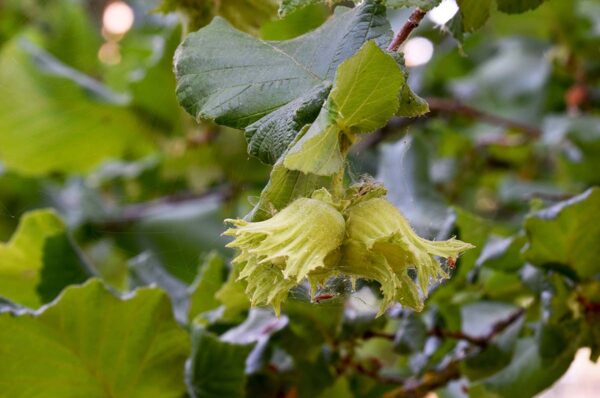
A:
[567,234]
[63,266]
[366,88]
[193,227]
[479,319]
[235,79]
[50,114]
[583,133]
[319,150]
[145,269]
[38,261]
[475,230]
[158,77]
[411,105]
[404,169]
[289,6]
[411,335]
[260,324]
[340,389]
[526,375]
[364,97]
[247,15]
[269,137]
[232,295]
[295,24]
[311,325]
[216,369]
[474,13]
[207,284]
[424,5]
[283,187]
[502,253]
[90,343]
[517,6]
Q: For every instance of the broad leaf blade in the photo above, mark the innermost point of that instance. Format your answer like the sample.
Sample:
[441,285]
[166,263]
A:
[235,79]
[366,90]
[38,261]
[567,234]
[216,369]
[517,6]
[247,15]
[269,137]
[319,150]
[283,187]
[49,115]
[474,13]
[207,284]
[364,97]
[526,375]
[90,343]
[425,5]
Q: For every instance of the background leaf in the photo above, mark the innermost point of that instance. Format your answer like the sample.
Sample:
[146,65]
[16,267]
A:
[38,261]
[216,368]
[60,112]
[263,76]
[566,234]
[94,344]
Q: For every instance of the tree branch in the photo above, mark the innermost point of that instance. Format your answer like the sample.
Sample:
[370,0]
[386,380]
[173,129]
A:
[443,105]
[430,381]
[448,106]
[480,341]
[130,214]
[413,21]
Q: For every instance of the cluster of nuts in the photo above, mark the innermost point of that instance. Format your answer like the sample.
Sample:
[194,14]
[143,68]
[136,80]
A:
[362,236]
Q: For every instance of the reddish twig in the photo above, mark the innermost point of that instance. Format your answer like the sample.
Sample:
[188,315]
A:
[453,106]
[136,212]
[369,334]
[413,21]
[590,308]
[480,341]
[449,106]
[430,381]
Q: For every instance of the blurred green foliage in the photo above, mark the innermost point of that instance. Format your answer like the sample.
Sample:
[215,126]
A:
[507,159]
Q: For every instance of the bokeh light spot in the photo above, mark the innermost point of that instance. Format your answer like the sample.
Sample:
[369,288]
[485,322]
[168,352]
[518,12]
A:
[444,12]
[417,51]
[117,18]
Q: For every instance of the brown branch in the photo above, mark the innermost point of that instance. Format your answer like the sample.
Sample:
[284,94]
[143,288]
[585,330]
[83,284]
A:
[481,341]
[590,308]
[369,334]
[447,106]
[413,21]
[430,381]
[443,105]
[130,214]
[374,374]
[395,125]
[435,379]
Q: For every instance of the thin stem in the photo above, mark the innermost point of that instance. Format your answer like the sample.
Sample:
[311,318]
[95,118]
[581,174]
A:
[133,213]
[444,105]
[431,381]
[449,106]
[413,21]
[481,341]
